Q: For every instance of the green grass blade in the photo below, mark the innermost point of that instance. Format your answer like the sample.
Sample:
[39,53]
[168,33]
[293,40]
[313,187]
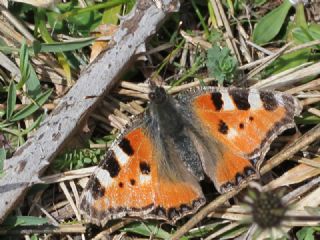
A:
[64,46]
[12,98]
[28,110]
[33,125]
[106,5]
[111,15]
[147,229]
[48,39]
[24,65]
[15,221]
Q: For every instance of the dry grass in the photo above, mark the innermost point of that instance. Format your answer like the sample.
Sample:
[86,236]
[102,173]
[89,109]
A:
[293,162]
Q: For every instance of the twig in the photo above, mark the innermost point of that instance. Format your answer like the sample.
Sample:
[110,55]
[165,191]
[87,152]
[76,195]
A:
[314,111]
[16,23]
[275,78]
[310,85]
[116,227]
[223,230]
[301,190]
[230,40]
[70,200]
[74,228]
[261,49]
[267,61]
[309,71]
[297,48]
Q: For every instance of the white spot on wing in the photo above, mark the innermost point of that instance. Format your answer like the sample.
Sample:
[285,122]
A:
[232,133]
[254,100]
[104,177]
[144,178]
[227,102]
[121,156]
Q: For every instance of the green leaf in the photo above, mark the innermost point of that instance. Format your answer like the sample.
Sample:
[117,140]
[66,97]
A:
[269,26]
[24,65]
[15,221]
[314,30]
[34,237]
[33,83]
[65,46]
[55,22]
[28,74]
[4,48]
[33,125]
[28,110]
[221,64]
[304,35]
[301,35]
[48,39]
[86,22]
[309,119]
[205,230]
[111,15]
[259,2]
[12,97]
[300,18]
[288,61]
[306,233]
[147,229]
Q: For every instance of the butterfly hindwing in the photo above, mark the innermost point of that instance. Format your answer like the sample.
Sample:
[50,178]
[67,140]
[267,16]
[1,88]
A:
[242,123]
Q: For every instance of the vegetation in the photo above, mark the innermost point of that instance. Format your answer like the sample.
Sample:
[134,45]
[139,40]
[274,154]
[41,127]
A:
[44,46]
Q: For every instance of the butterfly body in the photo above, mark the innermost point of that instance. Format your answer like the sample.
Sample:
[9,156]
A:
[154,167]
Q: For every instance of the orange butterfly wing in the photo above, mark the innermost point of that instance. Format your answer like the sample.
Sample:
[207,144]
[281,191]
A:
[132,181]
[243,123]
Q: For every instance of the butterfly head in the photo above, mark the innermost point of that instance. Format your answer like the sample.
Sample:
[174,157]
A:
[158,95]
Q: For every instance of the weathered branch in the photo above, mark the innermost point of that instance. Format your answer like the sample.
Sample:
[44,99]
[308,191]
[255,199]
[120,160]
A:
[37,153]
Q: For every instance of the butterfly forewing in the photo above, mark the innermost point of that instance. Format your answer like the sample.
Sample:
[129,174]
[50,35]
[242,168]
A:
[131,181]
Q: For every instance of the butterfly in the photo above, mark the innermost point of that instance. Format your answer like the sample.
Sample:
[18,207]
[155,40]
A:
[153,168]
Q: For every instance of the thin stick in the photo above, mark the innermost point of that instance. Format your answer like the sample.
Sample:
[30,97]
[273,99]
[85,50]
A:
[62,229]
[262,60]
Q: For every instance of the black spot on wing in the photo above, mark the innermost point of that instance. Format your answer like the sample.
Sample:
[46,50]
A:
[111,165]
[144,168]
[132,182]
[223,127]
[269,101]
[126,146]
[240,98]
[241,125]
[216,98]
[97,189]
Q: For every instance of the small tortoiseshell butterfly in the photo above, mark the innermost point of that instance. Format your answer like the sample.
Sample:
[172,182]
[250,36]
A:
[154,167]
